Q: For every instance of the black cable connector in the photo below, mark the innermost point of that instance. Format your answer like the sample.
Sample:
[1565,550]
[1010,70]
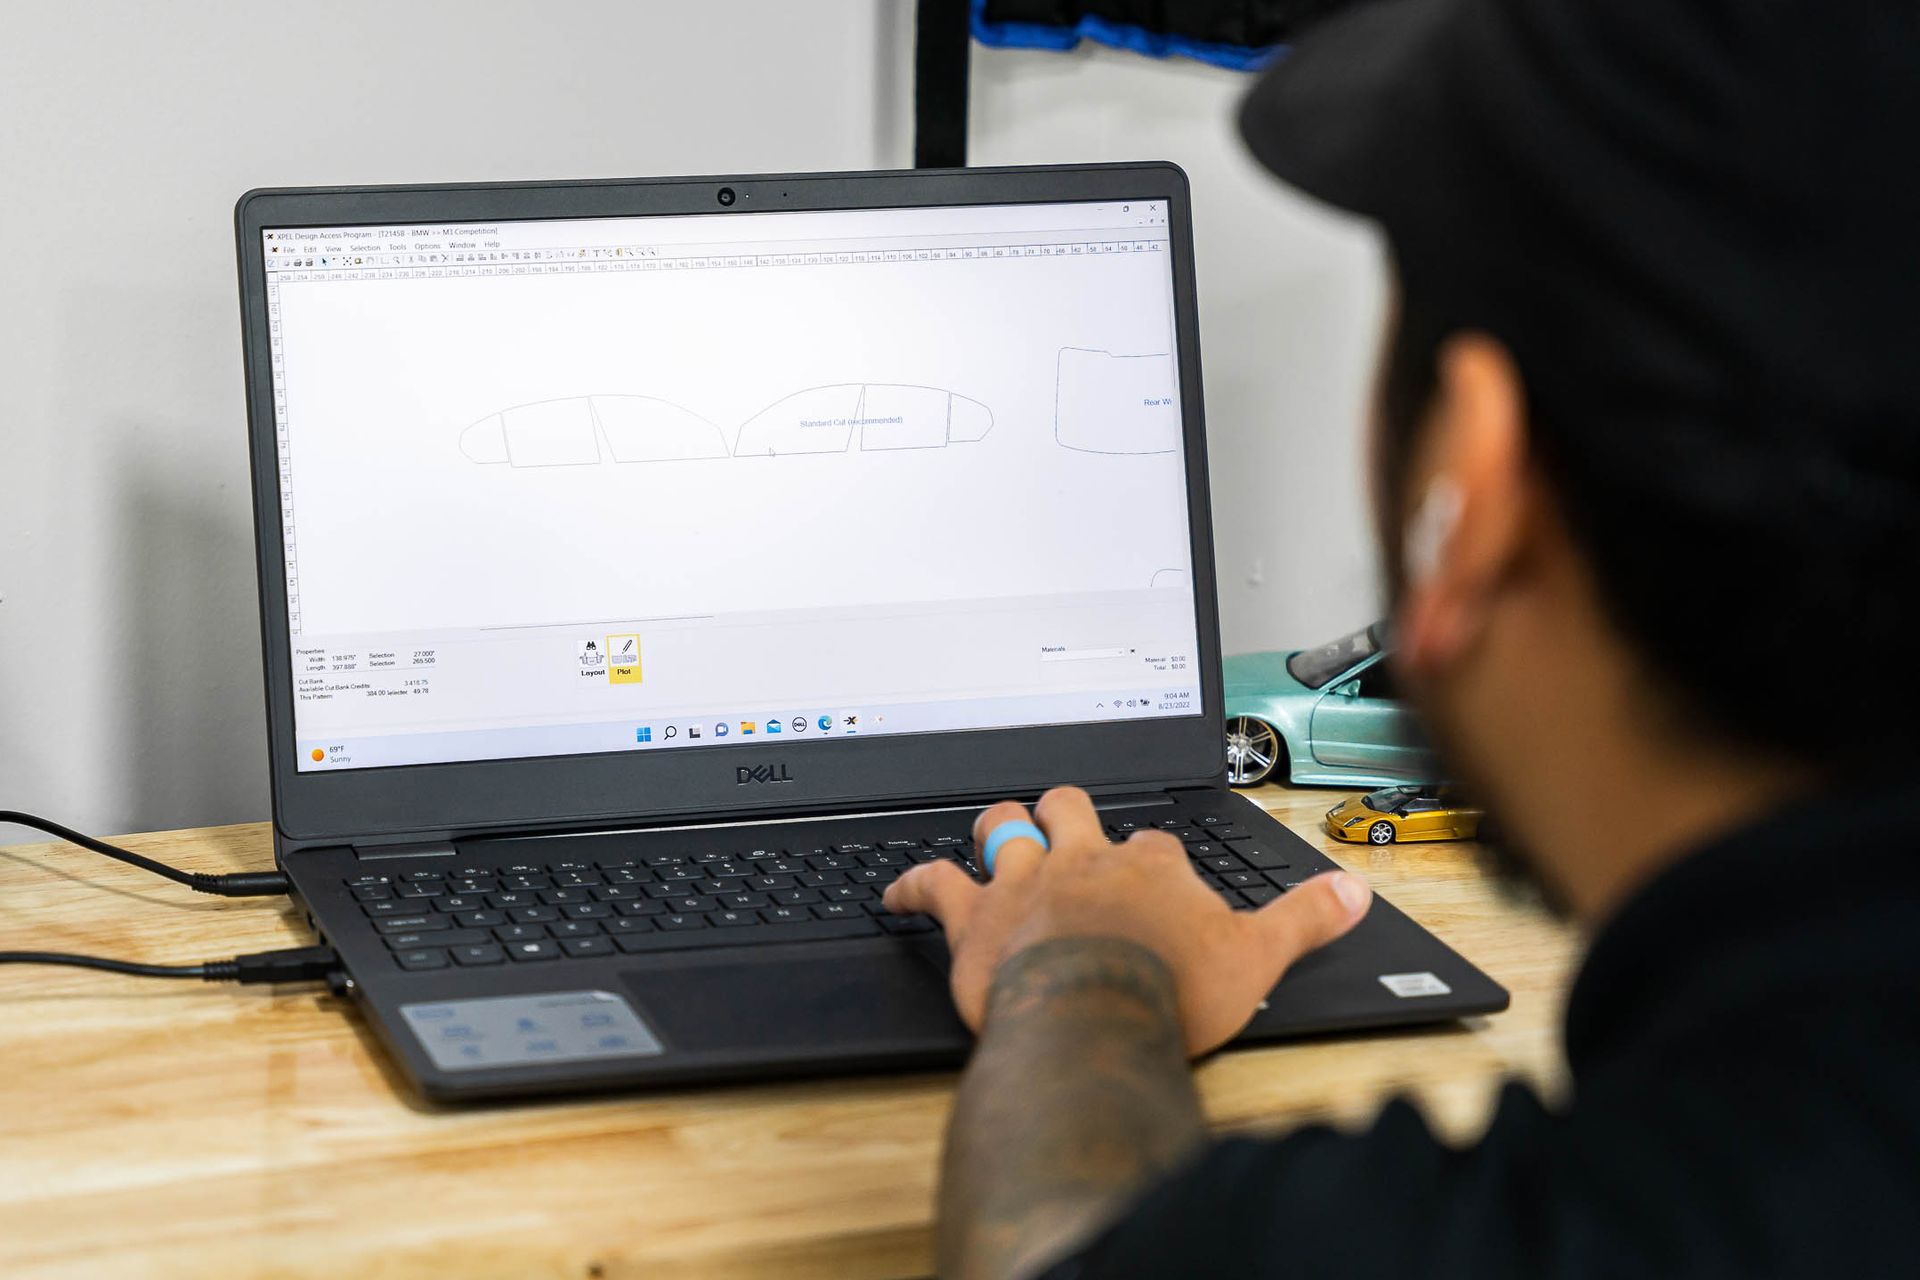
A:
[294,964]
[239,884]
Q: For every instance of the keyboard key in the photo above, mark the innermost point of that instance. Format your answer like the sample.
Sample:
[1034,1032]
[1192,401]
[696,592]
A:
[560,868]
[533,915]
[350,881]
[846,893]
[372,893]
[630,924]
[1241,879]
[664,859]
[785,915]
[795,897]
[732,919]
[882,860]
[586,910]
[419,889]
[761,854]
[411,924]
[518,882]
[582,948]
[727,870]
[480,919]
[540,949]
[1125,826]
[811,930]
[424,875]
[853,848]
[422,958]
[1255,856]
[513,898]
[574,929]
[640,907]
[557,897]
[833,861]
[907,924]
[743,901]
[679,921]
[1223,862]
[948,842]
[1282,880]
[1210,820]
[576,879]
[770,882]
[615,892]
[473,884]
[690,905]
[1260,894]
[390,907]
[459,902]
[610,865]
[519,932]
[1229,831]
[899,846]
[820,879]
[444,938]
[628,875]
[839,911]
[479,954]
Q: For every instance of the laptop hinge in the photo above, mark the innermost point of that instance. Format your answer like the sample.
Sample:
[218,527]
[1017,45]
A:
[426,849]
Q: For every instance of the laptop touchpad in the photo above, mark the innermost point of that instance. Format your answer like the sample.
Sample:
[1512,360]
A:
[855,999]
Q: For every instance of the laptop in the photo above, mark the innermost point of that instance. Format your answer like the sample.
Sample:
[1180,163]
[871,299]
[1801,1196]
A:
[651,571]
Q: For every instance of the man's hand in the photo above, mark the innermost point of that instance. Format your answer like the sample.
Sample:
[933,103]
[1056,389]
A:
[1143,891]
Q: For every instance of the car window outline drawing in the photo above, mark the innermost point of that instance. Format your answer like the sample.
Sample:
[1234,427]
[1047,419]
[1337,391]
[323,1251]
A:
[567,431]
[1065,433]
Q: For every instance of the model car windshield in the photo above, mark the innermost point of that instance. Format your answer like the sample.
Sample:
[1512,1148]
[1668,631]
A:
[1388,799]
[1314,667]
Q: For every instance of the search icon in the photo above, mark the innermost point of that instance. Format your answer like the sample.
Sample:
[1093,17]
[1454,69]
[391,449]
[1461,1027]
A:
[672,731]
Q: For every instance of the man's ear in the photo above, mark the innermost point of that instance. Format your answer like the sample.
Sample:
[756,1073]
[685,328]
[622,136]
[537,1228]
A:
[1467,501]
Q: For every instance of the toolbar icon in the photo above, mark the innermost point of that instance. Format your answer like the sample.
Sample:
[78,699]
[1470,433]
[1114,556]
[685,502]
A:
[799,724]
[643,734]
[826,723]
[720,729]
[773,726]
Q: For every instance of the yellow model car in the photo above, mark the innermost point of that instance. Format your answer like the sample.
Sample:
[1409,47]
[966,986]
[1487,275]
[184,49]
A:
[1404,813]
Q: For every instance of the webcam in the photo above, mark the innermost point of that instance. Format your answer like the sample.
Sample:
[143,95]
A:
[724,195]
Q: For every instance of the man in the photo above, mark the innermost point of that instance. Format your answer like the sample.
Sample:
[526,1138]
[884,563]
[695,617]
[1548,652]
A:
[1647,463]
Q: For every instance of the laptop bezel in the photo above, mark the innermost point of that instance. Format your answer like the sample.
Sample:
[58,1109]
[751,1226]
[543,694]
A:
[474,797]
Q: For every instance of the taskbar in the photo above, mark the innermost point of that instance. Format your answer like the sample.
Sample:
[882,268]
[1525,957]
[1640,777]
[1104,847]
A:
[775,727]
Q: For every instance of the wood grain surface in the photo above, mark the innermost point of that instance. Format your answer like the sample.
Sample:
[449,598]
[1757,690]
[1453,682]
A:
[173,1129]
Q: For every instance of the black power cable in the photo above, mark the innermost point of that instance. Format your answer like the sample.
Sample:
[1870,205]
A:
[293,964]
[239,884]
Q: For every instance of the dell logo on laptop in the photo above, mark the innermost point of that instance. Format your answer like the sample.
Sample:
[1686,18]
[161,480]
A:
[761,773]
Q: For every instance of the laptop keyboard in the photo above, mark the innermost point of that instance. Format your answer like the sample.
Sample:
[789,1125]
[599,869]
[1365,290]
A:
[480,913]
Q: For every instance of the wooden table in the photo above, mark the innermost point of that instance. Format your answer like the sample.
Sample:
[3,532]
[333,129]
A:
[158,1129]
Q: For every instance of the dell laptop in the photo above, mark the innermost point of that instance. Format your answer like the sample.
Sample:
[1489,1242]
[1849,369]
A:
[651,571]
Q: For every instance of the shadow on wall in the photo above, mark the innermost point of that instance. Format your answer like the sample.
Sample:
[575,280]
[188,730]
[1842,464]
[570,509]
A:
[185,683]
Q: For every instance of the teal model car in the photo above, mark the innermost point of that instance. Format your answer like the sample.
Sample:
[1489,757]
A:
[1327,716]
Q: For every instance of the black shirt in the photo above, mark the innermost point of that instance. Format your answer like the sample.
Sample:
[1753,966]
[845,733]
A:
[1744,1041]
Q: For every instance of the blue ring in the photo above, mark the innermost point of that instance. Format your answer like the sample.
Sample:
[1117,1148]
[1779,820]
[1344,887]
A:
[1014,830]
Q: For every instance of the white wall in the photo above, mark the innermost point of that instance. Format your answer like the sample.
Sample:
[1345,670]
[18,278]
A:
[129,656]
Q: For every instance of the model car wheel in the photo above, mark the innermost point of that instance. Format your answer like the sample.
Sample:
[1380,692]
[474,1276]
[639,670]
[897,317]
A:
[1380,833]
[1254,753]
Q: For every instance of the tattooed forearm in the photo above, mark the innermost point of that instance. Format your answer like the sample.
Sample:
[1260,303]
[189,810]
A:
[1077,1096]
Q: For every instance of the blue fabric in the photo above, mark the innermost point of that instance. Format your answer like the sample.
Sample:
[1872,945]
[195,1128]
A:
[1015,830]
[1154,44]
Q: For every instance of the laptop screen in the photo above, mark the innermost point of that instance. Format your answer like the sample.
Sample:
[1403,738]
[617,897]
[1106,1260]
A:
[657,483]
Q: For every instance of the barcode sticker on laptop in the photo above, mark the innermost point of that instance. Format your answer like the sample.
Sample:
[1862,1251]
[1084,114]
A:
[1409,985]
